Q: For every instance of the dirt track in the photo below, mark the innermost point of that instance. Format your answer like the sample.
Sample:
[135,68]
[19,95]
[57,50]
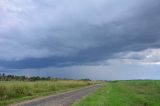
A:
[63,99]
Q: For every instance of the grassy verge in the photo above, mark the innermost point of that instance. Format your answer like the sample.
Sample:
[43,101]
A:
[14,91]
[125,93]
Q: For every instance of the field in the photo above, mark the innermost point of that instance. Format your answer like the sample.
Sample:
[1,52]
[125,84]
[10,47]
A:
[125,93]
[13,91]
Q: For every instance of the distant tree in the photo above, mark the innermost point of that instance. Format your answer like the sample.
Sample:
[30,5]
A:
[85,79]
[3,75]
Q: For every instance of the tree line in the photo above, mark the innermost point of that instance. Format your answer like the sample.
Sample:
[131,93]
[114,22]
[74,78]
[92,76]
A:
[4,77]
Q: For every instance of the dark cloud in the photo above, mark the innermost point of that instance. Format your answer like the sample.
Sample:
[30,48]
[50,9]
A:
[76,33]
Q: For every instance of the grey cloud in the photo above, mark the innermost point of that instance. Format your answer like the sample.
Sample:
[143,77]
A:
[51,33]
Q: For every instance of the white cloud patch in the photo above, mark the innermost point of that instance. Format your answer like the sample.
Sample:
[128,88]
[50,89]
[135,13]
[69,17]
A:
[148,57]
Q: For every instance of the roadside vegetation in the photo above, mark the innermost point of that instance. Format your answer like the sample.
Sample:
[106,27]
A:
[17,90]
[125,93]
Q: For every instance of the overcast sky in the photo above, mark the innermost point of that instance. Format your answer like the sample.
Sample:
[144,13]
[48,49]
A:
[96,39]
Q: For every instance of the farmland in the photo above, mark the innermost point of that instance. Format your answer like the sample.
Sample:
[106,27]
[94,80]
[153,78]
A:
[125,93]
[15,91]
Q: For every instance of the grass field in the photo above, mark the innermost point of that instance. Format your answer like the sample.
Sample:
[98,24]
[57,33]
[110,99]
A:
[125,93]
[13,91]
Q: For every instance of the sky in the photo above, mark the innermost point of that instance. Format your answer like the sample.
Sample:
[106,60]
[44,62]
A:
[96,39]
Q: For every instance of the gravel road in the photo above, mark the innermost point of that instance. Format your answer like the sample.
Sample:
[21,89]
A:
[63,99]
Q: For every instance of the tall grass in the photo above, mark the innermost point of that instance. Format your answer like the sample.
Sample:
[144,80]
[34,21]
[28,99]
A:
[18,89]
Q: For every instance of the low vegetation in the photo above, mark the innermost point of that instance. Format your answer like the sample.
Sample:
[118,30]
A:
[12,91]
[125,93]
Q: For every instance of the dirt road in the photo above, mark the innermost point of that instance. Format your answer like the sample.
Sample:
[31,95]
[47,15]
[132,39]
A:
[63,99]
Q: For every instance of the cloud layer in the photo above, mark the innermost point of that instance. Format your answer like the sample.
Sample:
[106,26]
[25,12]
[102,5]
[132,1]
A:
[37,34]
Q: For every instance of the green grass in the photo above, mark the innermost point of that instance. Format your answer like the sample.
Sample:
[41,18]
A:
[14,91]
[124,93]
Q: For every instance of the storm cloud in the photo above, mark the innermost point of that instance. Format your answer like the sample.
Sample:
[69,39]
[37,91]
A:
[45,33]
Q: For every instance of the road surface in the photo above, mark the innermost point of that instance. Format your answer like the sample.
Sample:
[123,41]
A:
[63,99]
